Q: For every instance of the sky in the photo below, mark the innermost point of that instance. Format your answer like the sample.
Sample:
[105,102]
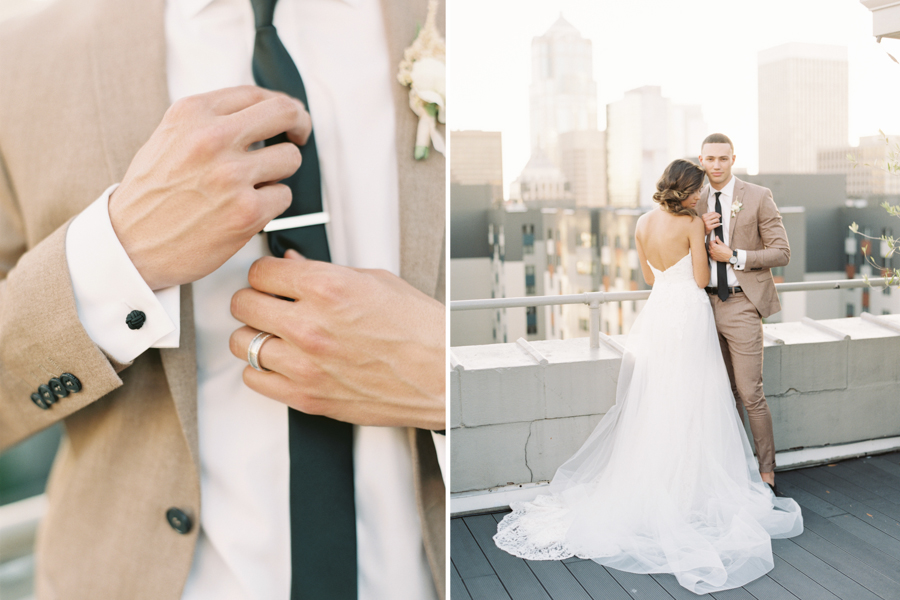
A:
[698,52]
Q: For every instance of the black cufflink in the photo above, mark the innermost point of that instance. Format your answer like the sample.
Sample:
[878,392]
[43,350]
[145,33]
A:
[135,319]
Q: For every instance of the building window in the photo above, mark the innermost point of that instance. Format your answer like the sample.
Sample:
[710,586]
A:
[584,324]
[531,320]
[527,239]
[529,280]
[850,309]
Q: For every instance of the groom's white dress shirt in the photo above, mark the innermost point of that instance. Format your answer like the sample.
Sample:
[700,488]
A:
[725,198]
[244,547]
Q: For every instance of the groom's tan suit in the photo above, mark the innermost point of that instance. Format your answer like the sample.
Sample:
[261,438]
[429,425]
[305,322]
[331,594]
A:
[757,229]
[82,87]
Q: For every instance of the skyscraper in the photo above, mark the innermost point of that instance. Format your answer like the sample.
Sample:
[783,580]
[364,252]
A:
[563,90]
[583,161]
[803,106]
[644,133]
[477,159]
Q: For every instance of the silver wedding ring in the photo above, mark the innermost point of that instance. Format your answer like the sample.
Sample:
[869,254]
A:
[253,351]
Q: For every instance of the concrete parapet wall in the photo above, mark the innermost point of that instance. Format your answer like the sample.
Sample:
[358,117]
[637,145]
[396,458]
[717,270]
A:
[514,421]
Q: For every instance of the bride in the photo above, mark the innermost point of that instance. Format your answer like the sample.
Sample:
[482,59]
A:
[667,482]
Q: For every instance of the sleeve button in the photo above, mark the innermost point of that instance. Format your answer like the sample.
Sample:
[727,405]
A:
[46,394]
[36,398]
[135,319]
[58,389]
[70,382]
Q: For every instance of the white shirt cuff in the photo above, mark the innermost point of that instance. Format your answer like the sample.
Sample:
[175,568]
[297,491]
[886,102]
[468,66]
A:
[741,260]
[107,287]
[440,447]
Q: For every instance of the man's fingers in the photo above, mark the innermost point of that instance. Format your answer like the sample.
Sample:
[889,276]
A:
[273,199]
[270,356]
[258,310]
[227,101]
[274,163]
[278,387]
[274,115]
[281,277]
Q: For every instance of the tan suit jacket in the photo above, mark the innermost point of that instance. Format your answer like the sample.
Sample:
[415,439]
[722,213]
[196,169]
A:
[756,228]
[82,87]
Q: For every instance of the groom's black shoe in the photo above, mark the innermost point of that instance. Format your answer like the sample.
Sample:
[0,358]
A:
[774,489]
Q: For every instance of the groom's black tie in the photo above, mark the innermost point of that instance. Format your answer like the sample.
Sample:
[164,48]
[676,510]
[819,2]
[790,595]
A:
[323,516]
[721,268]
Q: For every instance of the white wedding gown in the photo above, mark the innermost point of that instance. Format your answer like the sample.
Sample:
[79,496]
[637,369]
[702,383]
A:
[667,482]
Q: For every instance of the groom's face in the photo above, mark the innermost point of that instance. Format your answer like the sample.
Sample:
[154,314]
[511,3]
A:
[717,160]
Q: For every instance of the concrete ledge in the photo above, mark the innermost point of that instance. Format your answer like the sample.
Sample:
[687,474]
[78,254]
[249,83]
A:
[514,421]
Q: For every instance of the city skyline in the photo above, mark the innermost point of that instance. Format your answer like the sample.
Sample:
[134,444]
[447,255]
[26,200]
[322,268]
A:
[630,52]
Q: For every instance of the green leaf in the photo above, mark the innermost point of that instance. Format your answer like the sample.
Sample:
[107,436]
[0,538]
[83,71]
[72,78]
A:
[421,152]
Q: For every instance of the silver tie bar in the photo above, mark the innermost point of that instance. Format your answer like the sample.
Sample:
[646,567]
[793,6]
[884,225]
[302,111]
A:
[319,218]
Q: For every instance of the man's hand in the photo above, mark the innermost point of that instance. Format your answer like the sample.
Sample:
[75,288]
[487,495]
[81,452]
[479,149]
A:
[357,345]
[711,220]
[718,251]
[194,194]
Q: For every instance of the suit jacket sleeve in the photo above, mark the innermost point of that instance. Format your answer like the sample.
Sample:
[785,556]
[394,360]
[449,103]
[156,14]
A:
[40,334]
[776,251]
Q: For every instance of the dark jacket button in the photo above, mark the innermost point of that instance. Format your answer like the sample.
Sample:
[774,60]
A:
[58,389]
[70,382]
[179,521]
[46,394]
[135,319]
[36,398]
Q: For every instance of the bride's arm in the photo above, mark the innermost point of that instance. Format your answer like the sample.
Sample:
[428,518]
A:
[697,237]
[645,268]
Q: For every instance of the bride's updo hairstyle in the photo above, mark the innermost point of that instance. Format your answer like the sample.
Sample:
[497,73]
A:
[680,179]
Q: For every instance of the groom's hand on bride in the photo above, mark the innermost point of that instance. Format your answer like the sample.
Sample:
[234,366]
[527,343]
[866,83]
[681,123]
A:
[357,345]
[718,251]
[194,194]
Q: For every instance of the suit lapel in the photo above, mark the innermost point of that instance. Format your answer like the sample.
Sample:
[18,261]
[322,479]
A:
[132,97]
[704,201]
[422,222]
[421,183]
[735,200]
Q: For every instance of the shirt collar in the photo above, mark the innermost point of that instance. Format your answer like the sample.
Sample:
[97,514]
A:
[727,191]
[191,8]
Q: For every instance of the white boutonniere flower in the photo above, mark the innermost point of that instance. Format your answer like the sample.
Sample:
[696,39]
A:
[423,69]
[736,207]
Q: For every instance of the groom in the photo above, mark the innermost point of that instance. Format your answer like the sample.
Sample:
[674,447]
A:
[746,240]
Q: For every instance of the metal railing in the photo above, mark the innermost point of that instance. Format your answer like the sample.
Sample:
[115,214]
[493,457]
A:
[595,299]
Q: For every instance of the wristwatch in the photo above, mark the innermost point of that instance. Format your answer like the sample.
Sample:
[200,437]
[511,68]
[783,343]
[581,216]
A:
[733,259]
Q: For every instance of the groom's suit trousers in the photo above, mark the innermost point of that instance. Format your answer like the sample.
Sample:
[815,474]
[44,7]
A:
[741,339]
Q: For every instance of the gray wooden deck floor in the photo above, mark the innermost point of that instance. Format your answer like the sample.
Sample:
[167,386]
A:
[849,550]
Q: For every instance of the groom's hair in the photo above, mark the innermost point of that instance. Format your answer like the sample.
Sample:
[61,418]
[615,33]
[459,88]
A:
[717,138]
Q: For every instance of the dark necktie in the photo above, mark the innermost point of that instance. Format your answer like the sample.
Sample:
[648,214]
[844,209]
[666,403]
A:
[721,268]
[323,516]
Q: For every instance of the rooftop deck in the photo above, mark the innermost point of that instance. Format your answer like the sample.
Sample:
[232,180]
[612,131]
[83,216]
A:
[849,550]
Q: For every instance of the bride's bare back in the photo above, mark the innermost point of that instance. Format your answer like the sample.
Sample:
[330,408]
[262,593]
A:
[663,239]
